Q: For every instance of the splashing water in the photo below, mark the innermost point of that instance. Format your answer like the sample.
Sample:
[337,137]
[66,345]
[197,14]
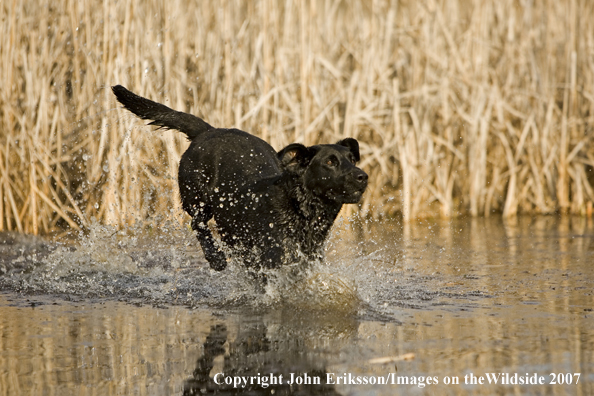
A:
[169,268]
[370,275]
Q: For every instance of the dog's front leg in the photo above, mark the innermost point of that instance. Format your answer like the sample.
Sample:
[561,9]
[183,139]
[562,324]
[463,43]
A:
[215,256]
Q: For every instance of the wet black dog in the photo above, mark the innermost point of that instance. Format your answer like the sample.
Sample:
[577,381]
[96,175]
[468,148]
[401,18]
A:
[270,208]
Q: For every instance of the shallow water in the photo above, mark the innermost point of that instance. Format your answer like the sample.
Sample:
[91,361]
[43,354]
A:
[136,313]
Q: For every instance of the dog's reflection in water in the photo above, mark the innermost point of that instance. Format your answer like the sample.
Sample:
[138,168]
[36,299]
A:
[255,365]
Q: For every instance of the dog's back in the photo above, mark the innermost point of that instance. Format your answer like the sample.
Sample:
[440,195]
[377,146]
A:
[220,175]
[228,159]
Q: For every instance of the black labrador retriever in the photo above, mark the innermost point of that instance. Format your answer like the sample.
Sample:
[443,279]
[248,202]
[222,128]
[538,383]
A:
[270,208]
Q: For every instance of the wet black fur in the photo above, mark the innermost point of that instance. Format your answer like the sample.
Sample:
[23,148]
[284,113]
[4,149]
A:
[270,208]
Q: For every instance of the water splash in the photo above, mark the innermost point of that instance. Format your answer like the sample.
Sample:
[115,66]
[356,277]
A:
[166,267]
[169,268]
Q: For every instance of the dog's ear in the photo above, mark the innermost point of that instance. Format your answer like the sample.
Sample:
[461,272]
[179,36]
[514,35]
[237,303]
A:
[295,156]
[351,144]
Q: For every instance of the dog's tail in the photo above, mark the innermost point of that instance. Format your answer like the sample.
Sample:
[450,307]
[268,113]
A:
[162,116]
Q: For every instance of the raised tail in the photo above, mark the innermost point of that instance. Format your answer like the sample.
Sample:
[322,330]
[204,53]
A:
[162,116]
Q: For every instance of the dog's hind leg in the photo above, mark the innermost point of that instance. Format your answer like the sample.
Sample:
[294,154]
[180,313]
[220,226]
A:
[215,256]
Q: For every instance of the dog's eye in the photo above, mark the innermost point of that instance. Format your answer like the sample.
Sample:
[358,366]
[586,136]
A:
[332,161]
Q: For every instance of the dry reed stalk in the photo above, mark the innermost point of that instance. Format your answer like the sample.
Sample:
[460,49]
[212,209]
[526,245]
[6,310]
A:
[460,107]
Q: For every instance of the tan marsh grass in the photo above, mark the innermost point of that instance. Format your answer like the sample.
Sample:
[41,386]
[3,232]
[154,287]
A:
[460,106]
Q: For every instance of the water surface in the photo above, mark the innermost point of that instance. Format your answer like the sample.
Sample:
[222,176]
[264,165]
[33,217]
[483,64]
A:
[136,313]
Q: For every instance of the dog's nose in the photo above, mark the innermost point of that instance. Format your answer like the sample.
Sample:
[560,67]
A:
[361,177]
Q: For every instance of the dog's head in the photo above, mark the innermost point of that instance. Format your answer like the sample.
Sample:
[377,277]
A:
[328,171]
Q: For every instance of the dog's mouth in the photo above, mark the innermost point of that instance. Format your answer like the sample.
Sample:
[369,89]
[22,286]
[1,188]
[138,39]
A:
[357,195]
[346,197]
[347,190]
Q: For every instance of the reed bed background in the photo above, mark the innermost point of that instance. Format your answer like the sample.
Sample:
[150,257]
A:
[460,107]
